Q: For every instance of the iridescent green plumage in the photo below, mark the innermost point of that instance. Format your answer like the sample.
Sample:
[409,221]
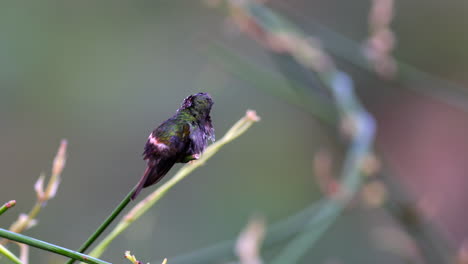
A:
[179,139]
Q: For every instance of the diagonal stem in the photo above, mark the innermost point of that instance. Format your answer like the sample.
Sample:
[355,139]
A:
[49,247]
[105,224]
[7,253]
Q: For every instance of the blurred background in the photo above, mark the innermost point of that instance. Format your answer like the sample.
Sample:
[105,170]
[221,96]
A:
[104,74]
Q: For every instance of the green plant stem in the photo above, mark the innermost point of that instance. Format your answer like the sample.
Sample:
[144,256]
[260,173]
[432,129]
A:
[7,253]
[142,207]
[3,250]
[49,247]
[7,206]
[105,224]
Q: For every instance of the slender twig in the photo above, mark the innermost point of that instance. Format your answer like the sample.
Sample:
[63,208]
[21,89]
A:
[49,247]
[7,253]
[105,224]
[7,206]
[134,260]
[43,194]
[24,253]
[138,210]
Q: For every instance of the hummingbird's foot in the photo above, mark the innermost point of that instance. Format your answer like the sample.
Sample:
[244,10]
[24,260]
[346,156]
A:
[195,157]
[191,158]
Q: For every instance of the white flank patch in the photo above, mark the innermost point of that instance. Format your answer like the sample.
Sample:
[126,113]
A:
[154,141]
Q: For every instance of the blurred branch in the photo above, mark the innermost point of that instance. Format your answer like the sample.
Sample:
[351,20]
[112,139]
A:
[142,207]
[381,41]
[49,247]
[279,36]
[7,206]
[24,253]
[249,242]
[413,79]
[434,250]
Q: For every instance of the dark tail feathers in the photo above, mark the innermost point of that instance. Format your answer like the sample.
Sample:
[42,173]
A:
[154,172]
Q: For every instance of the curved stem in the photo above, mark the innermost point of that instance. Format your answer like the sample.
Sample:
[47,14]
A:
[49,247]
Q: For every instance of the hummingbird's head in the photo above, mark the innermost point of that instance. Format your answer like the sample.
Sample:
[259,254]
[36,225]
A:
[198,104]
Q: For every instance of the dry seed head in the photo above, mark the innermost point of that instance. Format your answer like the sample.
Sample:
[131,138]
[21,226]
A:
[60,158]
[52,188]
[22,223]
[249,242]
[252,115]
[39,188]
[132,258]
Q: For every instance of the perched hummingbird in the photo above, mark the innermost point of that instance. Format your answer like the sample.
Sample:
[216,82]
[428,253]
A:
[179,139]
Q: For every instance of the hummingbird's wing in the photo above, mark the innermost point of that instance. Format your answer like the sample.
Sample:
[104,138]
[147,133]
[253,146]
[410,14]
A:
[164,147]
[170,138]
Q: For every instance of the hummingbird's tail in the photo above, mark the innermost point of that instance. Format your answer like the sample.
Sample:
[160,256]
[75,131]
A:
[142,181]
[154,172]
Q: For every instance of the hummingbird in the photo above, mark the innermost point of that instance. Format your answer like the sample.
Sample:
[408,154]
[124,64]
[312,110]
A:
[179,139]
